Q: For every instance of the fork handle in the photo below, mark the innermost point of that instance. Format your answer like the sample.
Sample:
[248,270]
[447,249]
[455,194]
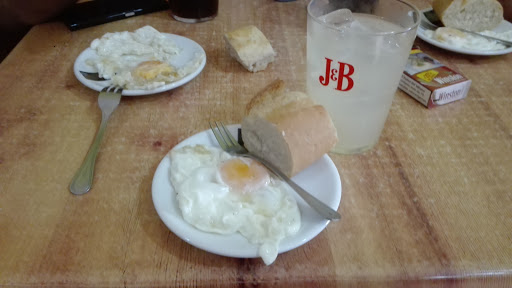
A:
[82,181]
[322,209]
[501,41]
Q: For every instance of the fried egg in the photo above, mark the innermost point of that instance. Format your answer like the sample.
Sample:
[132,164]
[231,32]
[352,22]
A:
[139,60]
[225,194]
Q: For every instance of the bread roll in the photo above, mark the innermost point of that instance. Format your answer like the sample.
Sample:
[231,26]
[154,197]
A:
[287,129]
[473,15]
[250,48]
[275,97]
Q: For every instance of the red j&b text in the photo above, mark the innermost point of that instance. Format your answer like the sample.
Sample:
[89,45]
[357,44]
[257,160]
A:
[340,75]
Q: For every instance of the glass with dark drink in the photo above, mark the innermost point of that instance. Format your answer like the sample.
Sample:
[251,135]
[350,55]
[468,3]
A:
[192,11]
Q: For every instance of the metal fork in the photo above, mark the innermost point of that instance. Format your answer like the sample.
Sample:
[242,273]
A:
[229,144]
[107,100]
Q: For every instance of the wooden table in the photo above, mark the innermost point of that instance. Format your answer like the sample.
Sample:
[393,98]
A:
[430,205]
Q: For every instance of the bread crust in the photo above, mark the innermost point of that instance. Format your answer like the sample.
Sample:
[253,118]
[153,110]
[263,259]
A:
[439,6]
[267,94]
[309,133]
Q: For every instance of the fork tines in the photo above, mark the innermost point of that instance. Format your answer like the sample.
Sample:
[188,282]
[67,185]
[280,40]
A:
[223,136]
[112,88]
[219,135]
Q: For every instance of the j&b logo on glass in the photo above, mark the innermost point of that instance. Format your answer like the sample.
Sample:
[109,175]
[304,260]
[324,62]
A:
[340,74]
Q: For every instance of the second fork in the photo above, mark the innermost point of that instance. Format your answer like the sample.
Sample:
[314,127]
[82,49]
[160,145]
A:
[108,100]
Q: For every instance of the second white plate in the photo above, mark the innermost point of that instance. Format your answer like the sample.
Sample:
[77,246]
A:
[320,179]
[189,52]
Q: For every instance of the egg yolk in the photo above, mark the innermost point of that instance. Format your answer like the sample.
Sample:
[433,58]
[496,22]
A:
[149,70]
[244,175]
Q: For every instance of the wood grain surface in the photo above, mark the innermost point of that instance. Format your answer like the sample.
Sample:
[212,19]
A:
[429,206]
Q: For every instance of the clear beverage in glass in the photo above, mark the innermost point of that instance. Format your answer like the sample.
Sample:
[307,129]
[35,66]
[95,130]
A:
[356,53]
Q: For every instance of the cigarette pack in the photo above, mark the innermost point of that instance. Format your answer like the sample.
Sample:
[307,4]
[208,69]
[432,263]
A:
[430,82]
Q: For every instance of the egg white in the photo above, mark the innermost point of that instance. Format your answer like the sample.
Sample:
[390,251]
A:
[264,217]
[118,53]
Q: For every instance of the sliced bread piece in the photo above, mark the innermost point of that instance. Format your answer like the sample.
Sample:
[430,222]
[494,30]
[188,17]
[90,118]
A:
[250,48]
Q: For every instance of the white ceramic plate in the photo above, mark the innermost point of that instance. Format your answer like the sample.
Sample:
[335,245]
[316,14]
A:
[188,53]
[503,27]
[320,179]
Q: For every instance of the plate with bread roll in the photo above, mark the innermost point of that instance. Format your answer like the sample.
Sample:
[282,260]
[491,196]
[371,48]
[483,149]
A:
[459,23]
[233,206]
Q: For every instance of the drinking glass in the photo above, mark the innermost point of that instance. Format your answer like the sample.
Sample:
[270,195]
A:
[356,53]
[193,11]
